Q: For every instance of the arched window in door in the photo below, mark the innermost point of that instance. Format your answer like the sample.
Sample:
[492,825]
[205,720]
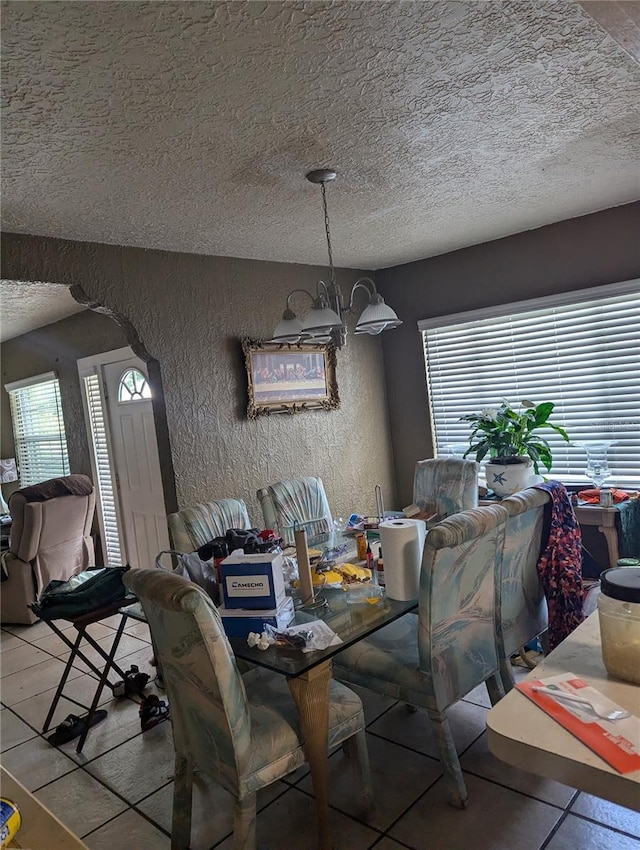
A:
[133,386]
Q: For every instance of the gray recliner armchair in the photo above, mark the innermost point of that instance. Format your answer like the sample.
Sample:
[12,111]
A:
[50,539]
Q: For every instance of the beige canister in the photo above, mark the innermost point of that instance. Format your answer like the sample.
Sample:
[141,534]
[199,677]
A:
[619,612]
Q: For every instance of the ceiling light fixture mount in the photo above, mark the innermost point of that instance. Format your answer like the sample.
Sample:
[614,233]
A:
[325,320]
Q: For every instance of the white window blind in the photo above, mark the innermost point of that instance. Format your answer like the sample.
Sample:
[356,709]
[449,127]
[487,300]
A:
[102,470]
[584,356]
[38,429]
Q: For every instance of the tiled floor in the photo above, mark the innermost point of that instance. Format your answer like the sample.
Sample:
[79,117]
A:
[119,789]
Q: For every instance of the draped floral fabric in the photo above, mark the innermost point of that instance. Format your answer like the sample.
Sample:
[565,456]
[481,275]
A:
[560,566]
[446,485]
[300,501]
[192,527]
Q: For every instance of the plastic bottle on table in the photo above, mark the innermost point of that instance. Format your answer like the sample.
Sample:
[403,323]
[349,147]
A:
[370,563]
[606,497]
[380,568]
[361,545]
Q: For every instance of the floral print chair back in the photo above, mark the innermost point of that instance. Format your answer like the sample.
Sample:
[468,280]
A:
[446,486]
[522,614]
[192,527]
[433,659]
[242,731]
[296,502]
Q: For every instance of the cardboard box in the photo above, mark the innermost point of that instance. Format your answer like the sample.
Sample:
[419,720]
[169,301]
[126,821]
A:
[252,581]
[238,622]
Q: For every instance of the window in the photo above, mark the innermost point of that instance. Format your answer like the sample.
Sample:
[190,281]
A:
[101,464]
[580,350]
[38,429]
[133,386]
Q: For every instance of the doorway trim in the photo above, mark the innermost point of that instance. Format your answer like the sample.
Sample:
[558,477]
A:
[91,367]
[125,457]
[158,403]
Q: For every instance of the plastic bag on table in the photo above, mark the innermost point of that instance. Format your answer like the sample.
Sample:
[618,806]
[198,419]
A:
[295,638]
[190,566]
[311,636]
[290,569]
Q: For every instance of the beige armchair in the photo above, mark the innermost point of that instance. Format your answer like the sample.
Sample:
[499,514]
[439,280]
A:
[50,539]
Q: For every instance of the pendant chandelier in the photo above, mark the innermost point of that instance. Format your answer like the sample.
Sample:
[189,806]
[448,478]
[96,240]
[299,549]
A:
[325,320]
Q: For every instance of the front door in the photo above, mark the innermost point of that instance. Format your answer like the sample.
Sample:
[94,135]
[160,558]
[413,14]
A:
[135,460]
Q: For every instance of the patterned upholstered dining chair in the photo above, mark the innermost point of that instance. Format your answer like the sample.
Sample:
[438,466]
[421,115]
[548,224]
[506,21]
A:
[242,731]
[446,485]
[192,527]
[297,500]
[522,612]
[435,657]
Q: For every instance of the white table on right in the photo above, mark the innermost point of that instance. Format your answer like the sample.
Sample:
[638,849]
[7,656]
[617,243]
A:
[522,735]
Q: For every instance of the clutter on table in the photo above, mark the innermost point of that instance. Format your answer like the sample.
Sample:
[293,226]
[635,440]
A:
[363,592]
[248,575]
[358,522]
[602,725]
[605,496]
[309,637]
[254,593]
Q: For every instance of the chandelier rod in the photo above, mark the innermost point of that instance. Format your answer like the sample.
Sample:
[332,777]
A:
[332,271]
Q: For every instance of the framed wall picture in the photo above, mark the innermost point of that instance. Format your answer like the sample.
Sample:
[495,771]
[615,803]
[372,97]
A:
[288,378]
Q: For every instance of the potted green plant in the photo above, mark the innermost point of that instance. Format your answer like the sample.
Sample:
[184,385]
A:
[512,442]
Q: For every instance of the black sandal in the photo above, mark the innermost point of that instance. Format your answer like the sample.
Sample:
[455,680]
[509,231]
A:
[73,726]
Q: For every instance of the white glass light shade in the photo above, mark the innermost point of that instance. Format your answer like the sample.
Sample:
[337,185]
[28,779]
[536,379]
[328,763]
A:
[320,321]
[288,330]
[372,330]
[377,318]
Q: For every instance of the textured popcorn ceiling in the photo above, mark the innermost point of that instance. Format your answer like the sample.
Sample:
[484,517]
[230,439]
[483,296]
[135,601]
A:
[27,306]
[190,126]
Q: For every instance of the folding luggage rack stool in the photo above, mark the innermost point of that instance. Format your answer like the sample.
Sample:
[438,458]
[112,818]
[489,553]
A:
[80,624]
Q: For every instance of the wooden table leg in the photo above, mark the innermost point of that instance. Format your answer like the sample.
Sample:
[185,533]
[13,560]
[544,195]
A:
[311,694]
[611,535]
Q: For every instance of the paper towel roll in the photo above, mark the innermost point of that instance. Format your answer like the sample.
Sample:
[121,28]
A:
[402,542]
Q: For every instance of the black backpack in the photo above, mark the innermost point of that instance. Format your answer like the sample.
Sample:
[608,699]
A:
[83,593]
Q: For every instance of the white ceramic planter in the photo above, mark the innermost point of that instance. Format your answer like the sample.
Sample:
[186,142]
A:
[507,478]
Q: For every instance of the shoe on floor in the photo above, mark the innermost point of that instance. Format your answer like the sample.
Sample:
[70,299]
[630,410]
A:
[133,685]
[73,726]
[152,711]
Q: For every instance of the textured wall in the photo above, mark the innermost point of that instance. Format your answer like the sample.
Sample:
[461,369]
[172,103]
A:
[190,312]
[582,252]
[57,347]
[189,126]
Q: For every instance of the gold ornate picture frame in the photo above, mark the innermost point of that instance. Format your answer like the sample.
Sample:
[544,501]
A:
[290,378]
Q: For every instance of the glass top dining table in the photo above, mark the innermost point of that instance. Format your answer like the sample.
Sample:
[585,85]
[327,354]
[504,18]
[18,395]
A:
[350,621]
